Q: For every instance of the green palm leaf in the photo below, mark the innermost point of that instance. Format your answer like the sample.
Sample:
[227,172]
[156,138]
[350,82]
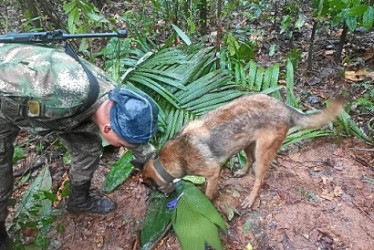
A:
[196,220]
[183,81]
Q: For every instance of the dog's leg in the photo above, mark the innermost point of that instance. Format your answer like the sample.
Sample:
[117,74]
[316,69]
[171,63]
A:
[212,180]
[265,152]
[249,151]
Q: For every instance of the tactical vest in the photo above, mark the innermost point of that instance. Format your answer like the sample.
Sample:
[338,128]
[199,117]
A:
[47,89]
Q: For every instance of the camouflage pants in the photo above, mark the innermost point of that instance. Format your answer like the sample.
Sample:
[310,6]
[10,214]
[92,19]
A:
[84,145]
[8,134]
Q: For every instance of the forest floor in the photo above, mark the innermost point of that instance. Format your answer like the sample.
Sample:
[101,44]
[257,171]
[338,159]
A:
[319,194]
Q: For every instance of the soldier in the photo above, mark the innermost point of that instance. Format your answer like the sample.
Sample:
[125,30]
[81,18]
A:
[45,90]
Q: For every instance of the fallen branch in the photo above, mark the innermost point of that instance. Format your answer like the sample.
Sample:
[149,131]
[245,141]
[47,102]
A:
[39,163]
[359,208]
[363,149]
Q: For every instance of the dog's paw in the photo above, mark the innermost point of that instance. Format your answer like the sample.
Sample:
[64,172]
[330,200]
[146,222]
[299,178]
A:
[247,202]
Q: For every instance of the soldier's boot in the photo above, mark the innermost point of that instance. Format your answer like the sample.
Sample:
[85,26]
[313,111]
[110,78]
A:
[80,201]
[4,237]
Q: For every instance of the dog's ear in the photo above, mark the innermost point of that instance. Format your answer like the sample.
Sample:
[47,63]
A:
[148,175]
[148,170]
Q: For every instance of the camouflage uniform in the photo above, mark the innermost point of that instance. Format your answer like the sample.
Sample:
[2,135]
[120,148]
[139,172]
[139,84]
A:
[58,84]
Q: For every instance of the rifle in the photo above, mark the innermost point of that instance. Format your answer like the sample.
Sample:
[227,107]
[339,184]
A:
[55,35]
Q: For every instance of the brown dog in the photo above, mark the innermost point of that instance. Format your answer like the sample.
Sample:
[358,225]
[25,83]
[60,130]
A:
[257,123]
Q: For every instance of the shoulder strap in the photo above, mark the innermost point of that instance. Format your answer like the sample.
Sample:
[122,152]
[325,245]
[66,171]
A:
[93,91]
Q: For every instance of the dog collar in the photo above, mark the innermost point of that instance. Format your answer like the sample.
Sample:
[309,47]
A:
[162,171]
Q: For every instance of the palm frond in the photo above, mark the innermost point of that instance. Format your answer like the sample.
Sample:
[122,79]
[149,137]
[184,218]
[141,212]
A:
[182,80]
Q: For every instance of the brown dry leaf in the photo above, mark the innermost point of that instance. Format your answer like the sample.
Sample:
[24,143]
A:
[282,82]
[331,195]
[338,191]
[369,55]
[235,193]
[326,195]
[326,180]
[359,75]
[65,178]
[256,36]
[329,52]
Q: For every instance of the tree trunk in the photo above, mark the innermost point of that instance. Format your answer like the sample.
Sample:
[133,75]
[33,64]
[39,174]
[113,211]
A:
[187,6]
[203,9]
[275,14]
[219,28]
[339,49]
[176,9]
[310,50]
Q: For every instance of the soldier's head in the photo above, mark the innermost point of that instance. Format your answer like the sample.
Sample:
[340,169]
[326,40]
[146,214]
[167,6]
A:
[133,118]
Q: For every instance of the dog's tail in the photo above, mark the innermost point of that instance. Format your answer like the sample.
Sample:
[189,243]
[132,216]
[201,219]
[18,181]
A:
[320,118]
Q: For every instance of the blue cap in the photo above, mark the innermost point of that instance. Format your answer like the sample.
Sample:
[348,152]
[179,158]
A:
[133,116]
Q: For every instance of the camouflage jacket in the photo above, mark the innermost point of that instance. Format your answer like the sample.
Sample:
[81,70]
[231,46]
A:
[51,78]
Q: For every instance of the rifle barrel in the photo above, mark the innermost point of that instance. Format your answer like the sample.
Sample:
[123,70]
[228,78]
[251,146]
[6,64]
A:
[55,35]
[119,34]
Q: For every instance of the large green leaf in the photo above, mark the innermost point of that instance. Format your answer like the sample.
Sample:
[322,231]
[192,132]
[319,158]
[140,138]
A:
[351,128]
[181,34]
[195,220]
[294,135]
[119,172]
[153,85]
[252,75]
[300,21]
[368,18]
[207,101]
[358,10]
[193,230]
[159,77]
[259,78]
[205,84]
[274,80]
[198,202]
[290,97]
[350,21]
[42,183]
[157,220]
[267,78]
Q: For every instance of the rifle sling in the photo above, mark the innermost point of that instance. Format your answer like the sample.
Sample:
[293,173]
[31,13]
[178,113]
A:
[93,91]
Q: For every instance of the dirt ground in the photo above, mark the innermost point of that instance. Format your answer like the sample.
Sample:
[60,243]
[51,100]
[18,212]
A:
[318,195]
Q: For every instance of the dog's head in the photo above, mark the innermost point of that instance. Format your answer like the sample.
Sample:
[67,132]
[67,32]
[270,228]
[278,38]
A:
[154,180]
